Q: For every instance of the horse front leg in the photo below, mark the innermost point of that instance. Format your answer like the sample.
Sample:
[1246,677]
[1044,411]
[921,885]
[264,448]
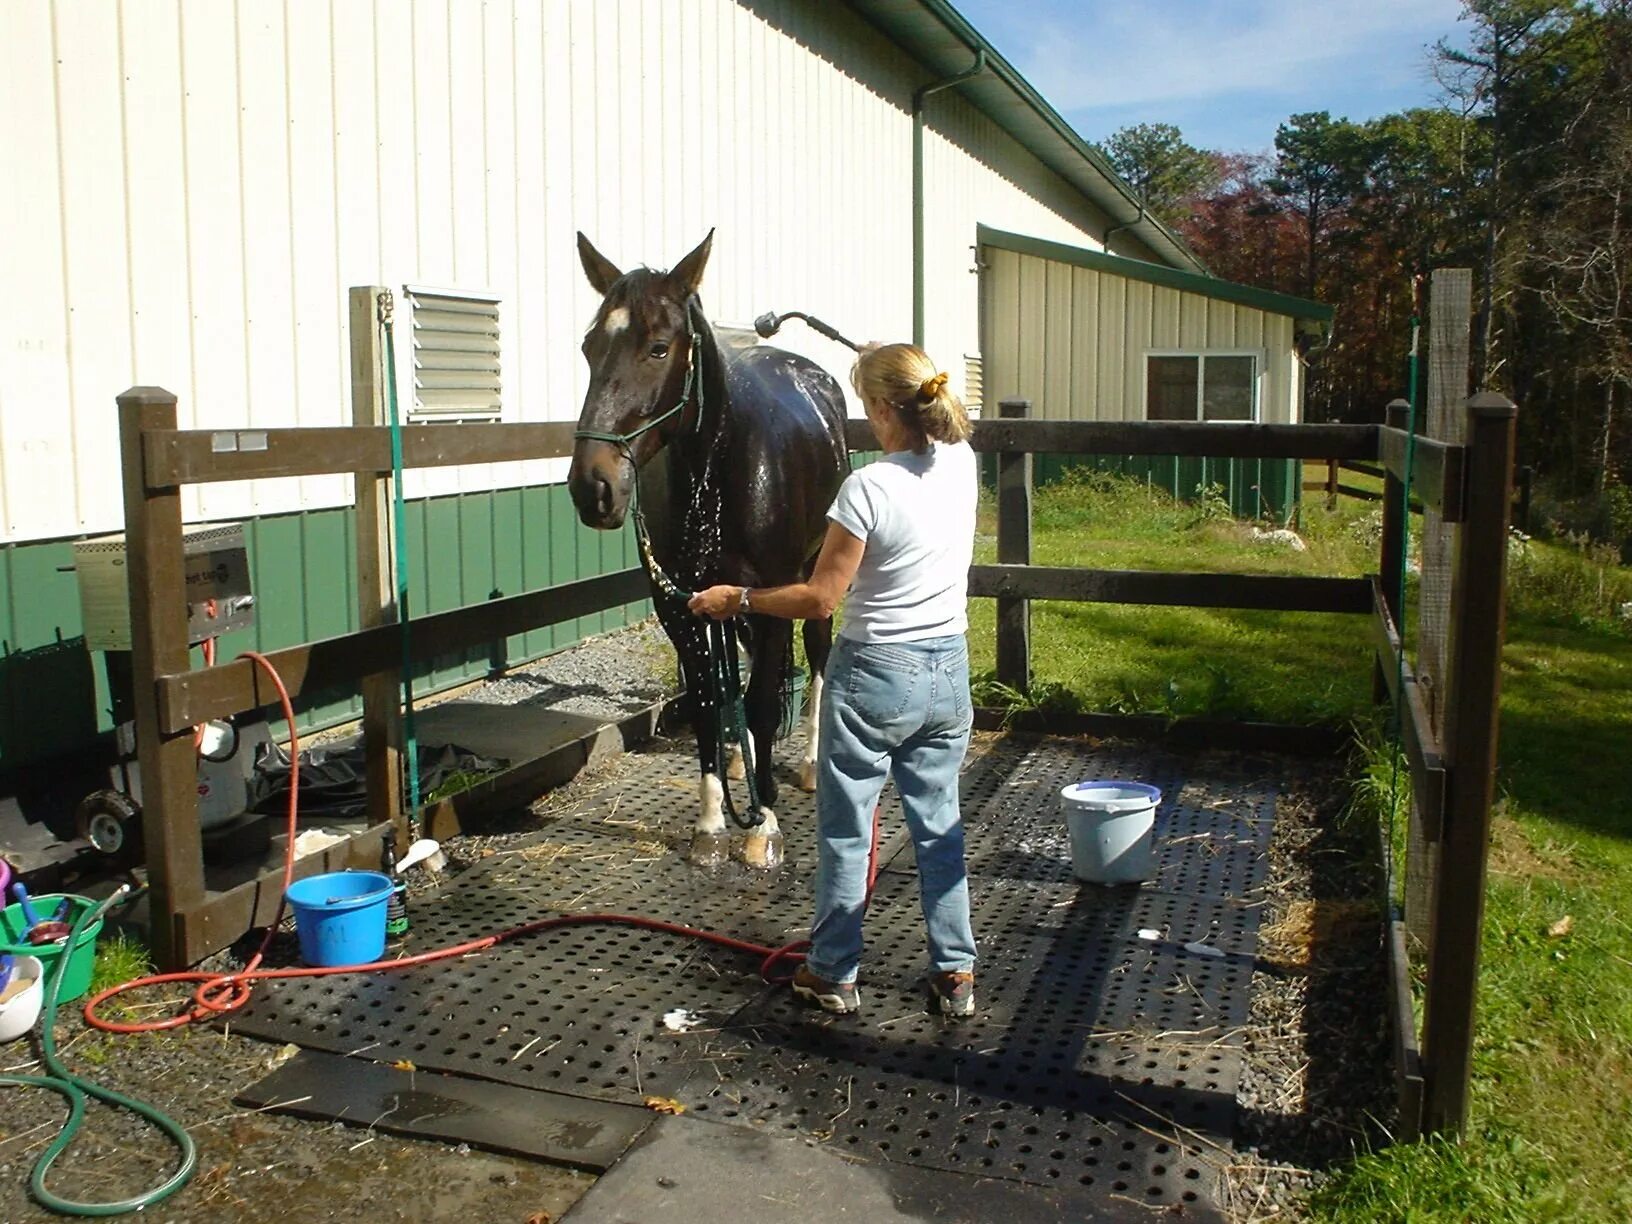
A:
[771,640]
[710,839]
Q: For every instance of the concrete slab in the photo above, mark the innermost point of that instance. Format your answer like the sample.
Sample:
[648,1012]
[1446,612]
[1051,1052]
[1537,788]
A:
[685,1171]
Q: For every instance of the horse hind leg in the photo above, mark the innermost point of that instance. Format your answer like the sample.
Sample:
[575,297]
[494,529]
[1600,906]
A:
[818,644]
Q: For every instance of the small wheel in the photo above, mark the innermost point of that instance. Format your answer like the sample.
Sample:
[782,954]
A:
[101,818]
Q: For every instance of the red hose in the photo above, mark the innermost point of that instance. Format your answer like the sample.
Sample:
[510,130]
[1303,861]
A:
[219,994]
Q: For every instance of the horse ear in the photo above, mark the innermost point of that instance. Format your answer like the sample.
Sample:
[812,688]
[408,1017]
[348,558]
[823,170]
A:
[688,273]
[600,270]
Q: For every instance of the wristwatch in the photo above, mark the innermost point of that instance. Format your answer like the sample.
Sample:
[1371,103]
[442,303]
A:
[742,602]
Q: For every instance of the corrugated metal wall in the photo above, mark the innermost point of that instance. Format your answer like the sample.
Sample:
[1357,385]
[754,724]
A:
[1074,340]
[193,184]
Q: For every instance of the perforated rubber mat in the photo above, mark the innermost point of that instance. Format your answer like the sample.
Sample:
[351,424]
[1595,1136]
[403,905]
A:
[1105,1056]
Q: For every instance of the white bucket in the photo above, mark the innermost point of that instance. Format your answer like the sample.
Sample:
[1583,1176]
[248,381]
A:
[1111,826]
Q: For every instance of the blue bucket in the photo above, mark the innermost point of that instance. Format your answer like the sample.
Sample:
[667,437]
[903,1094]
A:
[340,917]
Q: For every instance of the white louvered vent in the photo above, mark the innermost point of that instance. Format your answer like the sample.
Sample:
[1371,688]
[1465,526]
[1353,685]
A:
[456,356]
[974,382]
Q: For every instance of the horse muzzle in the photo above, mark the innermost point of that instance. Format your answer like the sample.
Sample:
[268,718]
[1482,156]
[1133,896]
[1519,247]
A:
[600,482]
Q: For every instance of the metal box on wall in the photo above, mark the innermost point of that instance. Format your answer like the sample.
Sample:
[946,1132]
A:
[216,572]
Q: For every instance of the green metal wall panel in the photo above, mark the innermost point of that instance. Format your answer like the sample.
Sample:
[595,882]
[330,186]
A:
[461,550]
[1255,488]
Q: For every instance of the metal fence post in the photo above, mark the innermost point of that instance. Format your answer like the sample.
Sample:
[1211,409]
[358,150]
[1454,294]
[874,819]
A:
[1014,548]
[1471,719]
[158,646]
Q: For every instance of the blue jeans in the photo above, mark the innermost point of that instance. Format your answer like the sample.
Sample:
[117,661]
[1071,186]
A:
[901,707]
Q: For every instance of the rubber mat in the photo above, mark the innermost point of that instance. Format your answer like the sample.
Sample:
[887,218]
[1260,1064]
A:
[1107,1049]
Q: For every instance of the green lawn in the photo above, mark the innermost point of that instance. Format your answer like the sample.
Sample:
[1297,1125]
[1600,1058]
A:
[1551,1132]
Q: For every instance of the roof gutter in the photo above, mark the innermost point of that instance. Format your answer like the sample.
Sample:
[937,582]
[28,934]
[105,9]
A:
[919,96]
[1117,229]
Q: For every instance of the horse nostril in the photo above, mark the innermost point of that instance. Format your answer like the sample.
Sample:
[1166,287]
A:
[603,495]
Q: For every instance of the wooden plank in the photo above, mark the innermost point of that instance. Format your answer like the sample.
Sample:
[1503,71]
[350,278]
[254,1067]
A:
[1212,439]
[1436,477]
[1014,484]
[1313,741]
[1407,1054]
[1392,550]
[1277,592]
[203,456]
[376,588]
[158,632]
[189,697]
[1471,721]
[1422,749]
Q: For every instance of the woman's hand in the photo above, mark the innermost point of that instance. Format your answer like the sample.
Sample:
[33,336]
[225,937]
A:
[720,602]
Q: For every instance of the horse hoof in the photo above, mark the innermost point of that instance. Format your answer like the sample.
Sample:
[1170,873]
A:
[762,850]
[734,768]
[709,849]
[807,777]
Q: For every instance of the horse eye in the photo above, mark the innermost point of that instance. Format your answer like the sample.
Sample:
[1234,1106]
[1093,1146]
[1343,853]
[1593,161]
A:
[660,350]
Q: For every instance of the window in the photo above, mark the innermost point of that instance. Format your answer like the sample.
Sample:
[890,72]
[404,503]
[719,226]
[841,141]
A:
[456,356]
[1201,387]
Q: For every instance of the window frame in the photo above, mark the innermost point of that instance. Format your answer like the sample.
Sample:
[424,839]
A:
[1260,358]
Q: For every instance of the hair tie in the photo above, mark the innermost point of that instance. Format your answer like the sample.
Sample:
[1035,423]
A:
[931,386]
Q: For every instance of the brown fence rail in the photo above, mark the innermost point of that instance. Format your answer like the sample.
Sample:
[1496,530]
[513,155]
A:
[1453,779]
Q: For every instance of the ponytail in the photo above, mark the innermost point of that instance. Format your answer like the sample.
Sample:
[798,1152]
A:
[903,376]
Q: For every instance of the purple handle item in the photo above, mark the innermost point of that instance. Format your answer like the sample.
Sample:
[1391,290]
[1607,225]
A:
[5,876]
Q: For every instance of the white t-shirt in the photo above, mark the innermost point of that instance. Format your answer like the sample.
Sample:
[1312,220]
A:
[915,512]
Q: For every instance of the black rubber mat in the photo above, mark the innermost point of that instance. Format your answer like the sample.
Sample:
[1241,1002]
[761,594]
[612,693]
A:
[1107,1044]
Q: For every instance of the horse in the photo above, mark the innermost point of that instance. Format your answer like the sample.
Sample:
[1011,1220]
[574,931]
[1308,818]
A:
[734,458]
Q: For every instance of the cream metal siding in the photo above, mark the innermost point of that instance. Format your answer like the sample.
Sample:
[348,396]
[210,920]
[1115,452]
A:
[194,183]
[1074,340]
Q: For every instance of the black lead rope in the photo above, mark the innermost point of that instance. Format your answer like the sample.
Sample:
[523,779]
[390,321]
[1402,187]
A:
[721,638]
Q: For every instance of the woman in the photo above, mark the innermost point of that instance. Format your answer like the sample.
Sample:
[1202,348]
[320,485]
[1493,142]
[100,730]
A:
[900,538]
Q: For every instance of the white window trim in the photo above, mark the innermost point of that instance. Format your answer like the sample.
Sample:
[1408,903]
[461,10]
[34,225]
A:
[1260,375]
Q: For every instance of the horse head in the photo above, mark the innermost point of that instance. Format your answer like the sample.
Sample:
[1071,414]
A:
[641,349]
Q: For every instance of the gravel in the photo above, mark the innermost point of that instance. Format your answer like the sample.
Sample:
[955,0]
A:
[604,677]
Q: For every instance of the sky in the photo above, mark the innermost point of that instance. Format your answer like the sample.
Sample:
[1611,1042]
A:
[1225,72]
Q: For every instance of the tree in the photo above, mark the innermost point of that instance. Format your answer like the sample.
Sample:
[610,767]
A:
[1319,165]
[1163,169]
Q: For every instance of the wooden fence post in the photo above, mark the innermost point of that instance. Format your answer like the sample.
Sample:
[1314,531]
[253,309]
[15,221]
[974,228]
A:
[376,584]
[1471,719]
[1331,484]
[158,646]
[1014,548]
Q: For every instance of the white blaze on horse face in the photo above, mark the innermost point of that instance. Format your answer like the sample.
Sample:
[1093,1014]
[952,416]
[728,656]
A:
[712,795]
[616,320]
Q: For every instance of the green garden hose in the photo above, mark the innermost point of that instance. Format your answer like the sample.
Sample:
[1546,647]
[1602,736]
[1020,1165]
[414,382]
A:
[66,1084]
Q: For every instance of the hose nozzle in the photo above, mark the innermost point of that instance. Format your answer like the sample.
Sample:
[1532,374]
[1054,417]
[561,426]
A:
[769,323]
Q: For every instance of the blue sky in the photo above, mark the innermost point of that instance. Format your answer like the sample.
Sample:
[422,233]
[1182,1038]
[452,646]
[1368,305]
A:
[1226,72]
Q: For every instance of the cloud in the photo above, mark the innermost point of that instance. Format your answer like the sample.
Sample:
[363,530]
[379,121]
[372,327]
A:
[1156,57]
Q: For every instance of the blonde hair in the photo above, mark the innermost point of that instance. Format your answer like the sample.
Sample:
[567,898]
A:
[903,376]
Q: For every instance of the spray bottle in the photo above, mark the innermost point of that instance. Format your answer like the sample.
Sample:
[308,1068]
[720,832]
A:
[396,907]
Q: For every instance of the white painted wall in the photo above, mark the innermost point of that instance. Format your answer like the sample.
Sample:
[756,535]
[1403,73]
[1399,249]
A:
[191,185]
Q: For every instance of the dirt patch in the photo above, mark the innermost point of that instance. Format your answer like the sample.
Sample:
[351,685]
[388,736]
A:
[252,1166]
[1511,854]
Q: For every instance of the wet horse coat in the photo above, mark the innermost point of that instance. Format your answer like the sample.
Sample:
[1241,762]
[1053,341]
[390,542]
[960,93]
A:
[735,488]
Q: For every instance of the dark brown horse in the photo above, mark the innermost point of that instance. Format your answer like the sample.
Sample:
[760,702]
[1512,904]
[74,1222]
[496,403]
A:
[739,454]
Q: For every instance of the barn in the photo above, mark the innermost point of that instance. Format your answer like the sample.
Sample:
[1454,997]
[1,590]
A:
[194,185]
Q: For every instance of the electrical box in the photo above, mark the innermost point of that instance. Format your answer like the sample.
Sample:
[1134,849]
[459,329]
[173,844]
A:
[217,598]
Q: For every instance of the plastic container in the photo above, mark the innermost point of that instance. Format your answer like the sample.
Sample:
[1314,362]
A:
[1111,825]
[81,961]
[340,917]
[19,1013]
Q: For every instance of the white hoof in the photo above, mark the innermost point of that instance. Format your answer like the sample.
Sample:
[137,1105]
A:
[807,777]
[709,849]
[762,850]
[733,766]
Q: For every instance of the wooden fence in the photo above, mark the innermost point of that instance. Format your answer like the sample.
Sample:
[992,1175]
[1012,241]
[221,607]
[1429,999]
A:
[1453,779]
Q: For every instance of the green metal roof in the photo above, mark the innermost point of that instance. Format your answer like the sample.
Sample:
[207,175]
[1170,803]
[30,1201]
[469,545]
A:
[939,37]
[1171,278]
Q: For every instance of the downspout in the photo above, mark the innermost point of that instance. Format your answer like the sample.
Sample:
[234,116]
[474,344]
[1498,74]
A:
[1105,242]
[918,96]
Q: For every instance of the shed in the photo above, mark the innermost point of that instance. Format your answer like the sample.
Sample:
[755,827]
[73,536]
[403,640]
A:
[1090,336]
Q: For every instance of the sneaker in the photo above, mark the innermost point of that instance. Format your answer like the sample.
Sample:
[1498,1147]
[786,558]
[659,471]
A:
[840,997]
[954,993]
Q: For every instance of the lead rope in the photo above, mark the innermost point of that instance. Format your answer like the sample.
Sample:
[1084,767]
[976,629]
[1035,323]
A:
[721,638]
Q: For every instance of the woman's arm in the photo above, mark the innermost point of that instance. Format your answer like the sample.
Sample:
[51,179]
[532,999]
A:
[813,600]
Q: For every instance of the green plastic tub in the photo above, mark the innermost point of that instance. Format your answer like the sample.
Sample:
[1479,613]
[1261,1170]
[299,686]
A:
[81,962]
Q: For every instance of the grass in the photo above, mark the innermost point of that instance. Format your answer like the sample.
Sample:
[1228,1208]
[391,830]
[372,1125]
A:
[1551,1129]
